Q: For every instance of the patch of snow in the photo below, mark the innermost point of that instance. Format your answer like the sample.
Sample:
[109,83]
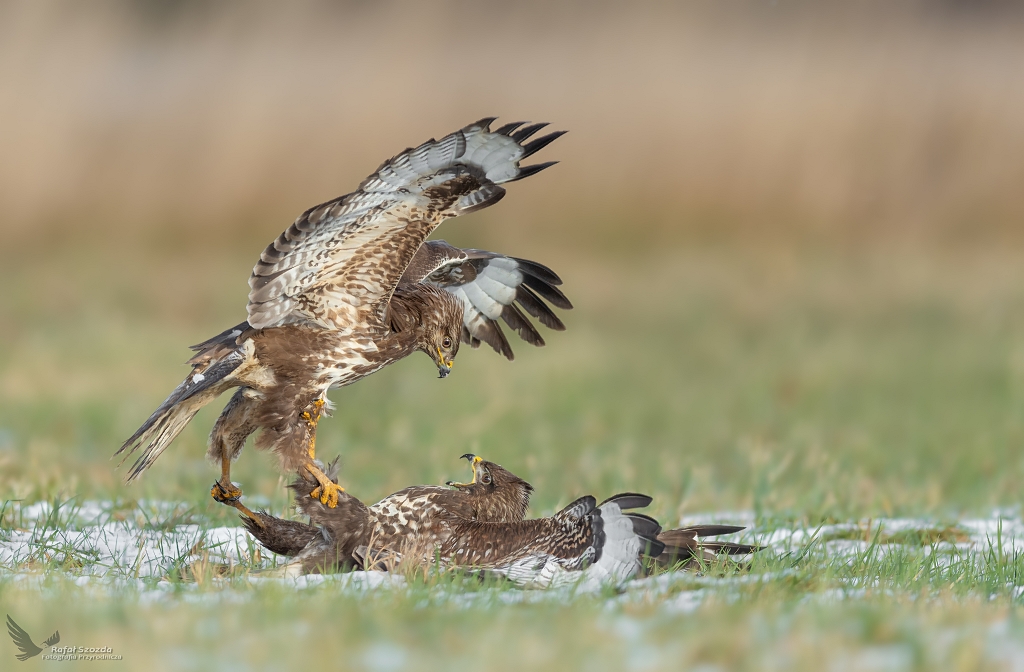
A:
[113,546]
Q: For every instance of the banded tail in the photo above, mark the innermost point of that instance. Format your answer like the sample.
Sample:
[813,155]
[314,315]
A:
[685,545]
[212,369]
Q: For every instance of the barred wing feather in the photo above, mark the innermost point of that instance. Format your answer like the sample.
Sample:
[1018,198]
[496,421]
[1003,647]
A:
[492,287]
[585,543]
[347,255]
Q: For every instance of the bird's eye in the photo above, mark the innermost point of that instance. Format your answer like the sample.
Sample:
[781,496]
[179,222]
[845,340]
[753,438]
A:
[486,479]
[446,343]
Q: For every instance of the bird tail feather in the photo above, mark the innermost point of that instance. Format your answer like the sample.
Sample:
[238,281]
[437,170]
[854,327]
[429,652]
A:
[684,545]
[206,382]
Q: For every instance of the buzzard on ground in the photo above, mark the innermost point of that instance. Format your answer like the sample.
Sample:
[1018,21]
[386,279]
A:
[353,286]
[417,516]
[586,541]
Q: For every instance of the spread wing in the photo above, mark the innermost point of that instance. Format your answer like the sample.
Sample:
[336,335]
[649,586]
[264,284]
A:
[604,541]
[566,536]
[492,545]
[491,287]
[344,256]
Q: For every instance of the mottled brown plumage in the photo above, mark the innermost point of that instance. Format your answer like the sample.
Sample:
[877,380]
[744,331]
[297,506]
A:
[585,542]
[408,522]
[334,544]
[350,287]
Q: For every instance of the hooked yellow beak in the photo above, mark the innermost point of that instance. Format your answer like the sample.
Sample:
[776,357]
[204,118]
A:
[443,367]
[473,461]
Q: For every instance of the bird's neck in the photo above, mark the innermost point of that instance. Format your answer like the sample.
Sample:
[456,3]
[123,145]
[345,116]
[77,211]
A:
[404,322]
[398,344]
[510,504]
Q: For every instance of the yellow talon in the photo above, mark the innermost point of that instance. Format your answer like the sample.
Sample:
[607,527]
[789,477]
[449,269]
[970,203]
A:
[225,493]
[328,494]
[327,491]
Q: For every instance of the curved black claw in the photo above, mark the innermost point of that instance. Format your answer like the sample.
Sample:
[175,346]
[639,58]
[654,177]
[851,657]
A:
[225,495]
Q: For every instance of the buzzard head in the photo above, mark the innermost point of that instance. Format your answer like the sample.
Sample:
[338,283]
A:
[503,496]
[441,330]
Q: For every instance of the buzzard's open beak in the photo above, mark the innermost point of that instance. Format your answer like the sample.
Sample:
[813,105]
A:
[443,367]
[473,460]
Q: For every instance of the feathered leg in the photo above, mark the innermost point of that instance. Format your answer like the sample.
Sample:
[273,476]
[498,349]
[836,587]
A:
[327,491]
[232,428]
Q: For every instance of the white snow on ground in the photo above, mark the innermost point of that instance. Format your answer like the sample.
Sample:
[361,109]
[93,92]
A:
[99,539]
[105,544]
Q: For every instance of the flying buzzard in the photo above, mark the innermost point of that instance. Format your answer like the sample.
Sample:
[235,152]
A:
[585,541]
[351,287]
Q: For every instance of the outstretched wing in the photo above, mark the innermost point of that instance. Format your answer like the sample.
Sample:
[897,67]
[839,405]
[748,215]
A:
[491,287]
[22,640]
[347,255]
[492,544]
[53,639]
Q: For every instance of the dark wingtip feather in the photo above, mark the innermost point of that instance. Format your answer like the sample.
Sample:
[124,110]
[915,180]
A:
[508,128]
[652,547]
[532,304]
[644,526]
[527,171]
[524,133]
[522,326]
[539,271]
[549,292]
[712,530]
[483,124]
[540,143]
[629,500]
[491,334]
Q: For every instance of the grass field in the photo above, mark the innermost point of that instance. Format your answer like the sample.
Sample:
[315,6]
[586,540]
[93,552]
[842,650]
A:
[778,388]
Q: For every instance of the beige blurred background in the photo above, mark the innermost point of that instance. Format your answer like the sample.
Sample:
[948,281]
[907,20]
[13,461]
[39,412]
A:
[792,232]
[151,122]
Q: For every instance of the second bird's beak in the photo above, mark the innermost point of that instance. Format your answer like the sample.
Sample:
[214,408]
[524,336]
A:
[473,459]
[443,367]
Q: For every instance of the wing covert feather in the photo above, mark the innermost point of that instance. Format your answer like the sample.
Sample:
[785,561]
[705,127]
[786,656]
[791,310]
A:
[491,287]
[347,255]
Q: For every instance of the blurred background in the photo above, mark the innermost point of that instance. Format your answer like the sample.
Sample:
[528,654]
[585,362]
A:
[792,233]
